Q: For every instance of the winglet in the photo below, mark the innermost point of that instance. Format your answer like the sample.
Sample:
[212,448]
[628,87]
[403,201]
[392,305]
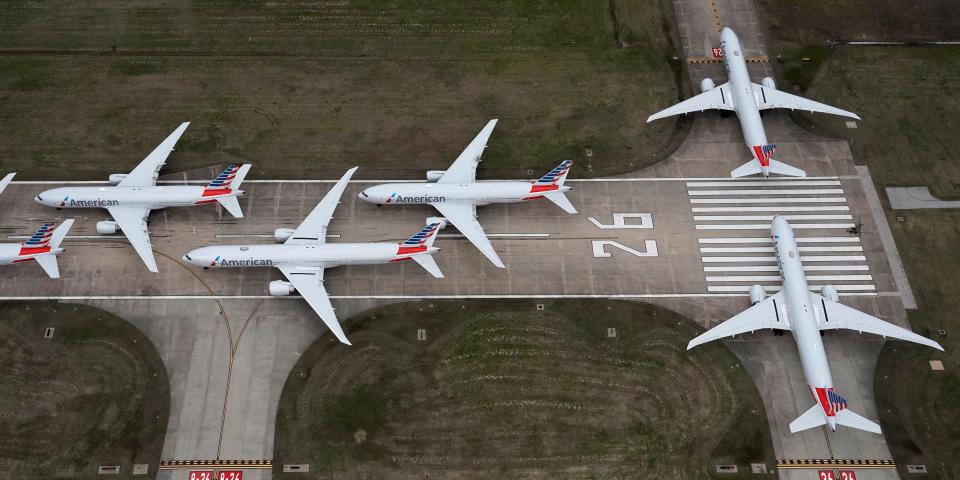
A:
[6,181]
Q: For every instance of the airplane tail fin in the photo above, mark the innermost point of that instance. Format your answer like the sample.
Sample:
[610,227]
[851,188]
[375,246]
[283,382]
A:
[556,176]
[750,168]
[46,243]
[232,205]
[781,168]
[853,420]
[425,238]
[561,200]
[812,418]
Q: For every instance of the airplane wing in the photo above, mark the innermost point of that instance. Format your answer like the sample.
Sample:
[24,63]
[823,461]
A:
[464,217]
[768,313]
[309,283]
[145,175]
[717,98]
[837,316]
[464,169]
[768,98]
[6,181]
[313,229]
[134,225]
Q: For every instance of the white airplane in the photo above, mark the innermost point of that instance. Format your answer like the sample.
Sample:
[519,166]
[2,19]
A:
[747,99]
[130,198]
[6,181]
[42,247]
[456,193]
[304,253]
[806,314]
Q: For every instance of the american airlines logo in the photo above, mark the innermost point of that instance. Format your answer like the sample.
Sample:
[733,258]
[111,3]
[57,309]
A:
[394,198]
[254,262]
[69,202]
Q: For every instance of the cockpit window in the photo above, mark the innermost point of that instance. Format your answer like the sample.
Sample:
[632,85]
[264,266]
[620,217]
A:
[364,194]
[39,198]
[187,257]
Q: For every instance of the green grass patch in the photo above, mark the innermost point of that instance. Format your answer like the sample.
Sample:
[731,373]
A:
[306,90]
[503,390]
[94,394]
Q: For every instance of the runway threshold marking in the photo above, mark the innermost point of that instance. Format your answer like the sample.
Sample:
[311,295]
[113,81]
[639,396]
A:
[834,463]
[188,464]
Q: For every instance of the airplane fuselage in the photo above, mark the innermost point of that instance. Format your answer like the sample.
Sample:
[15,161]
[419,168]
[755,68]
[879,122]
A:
[744,100]
[153,198]
[321,255]
[17,253]
[478,193]
[802,315]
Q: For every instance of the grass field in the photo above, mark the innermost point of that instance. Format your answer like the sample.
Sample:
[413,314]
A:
[506,391]
[305,89]
[908,137]
[94,394]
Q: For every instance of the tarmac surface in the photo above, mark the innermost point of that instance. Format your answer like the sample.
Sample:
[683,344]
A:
[915,198]
[681,234]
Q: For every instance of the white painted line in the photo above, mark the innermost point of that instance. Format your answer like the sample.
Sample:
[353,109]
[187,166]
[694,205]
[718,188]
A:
[118,236]
[812,258]
[774,208]
[357,297]
[772,183]
[498,235]
[766,218]
[775,268]
[258,235]
[777,288]
[770,200]
[846,248]
[812,191]
[767,240]
[766,226]
[774,278]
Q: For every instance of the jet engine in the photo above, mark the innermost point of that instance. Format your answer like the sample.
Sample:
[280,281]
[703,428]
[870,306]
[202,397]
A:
[769,83]
[434,175]
[706,84]
[279,288]
[107,227]
[116,178]
[281,235]
[442,221]
[757,294]
[830,292]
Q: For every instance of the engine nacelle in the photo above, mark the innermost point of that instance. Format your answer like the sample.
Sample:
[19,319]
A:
[279,288]
[706,84]
[757,294]
[829,291]
[281,235]
[442,221]
[434,175]
[107,227]
[769,83]
[116,178]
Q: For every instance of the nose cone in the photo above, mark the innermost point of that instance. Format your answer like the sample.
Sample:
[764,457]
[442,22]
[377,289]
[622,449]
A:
[47,197]
[726,33]
[201,257]
[780,224]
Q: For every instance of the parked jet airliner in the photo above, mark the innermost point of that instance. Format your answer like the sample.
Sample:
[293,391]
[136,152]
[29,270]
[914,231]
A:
[806,314]
[747,99]
[130,198]
[304,253]
[42,247]
[456,193]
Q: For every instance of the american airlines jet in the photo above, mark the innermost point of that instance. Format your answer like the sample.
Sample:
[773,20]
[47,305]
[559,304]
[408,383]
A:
[747,99]
[131,197]
[806,314]
[456,193]
[42,247]
[303,254]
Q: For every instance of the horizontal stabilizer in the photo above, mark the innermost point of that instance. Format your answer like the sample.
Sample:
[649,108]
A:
[561,200]
[781,168]
[49,265]
[812,418]
[853,420]
[232,205]
[429,264]
[750,168]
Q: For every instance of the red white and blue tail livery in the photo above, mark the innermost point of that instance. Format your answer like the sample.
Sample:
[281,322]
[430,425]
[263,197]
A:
[303,254]
[456,193]
[42,247]
[130,197]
